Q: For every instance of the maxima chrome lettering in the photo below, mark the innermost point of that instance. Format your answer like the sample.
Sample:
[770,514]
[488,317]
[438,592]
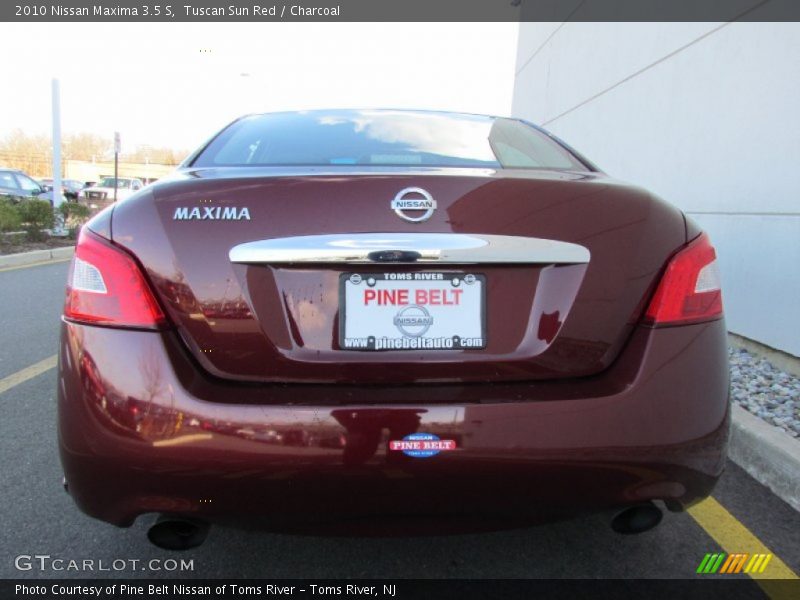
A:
[211,213]
[408,200]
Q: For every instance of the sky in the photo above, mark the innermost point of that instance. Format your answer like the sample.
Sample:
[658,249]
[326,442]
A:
[176,84]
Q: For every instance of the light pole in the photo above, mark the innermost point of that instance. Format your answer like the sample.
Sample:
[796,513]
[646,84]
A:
[57,196]
[117,144]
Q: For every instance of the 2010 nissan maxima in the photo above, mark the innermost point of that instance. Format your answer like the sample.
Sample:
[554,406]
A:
[362,320]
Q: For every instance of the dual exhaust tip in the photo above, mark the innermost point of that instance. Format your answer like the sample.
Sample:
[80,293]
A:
[181,533]
[637,519]
[172,532]
[177,533]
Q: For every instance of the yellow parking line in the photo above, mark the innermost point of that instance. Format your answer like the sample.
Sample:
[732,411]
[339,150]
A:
[36,264]
[733,538]
[27,373]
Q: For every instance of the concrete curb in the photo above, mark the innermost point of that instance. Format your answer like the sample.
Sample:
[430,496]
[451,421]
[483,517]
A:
[770,455]
[37,256]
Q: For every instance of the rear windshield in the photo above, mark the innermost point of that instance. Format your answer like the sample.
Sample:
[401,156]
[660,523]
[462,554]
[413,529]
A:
[385,138]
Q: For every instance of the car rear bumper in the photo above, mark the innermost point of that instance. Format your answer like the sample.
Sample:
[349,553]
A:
[141,430]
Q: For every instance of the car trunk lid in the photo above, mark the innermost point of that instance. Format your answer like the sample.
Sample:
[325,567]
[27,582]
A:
[211,242]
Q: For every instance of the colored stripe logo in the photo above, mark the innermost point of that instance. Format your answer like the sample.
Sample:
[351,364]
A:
[733,563]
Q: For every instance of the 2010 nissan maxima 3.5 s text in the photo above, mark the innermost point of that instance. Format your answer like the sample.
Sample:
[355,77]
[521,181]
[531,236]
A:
[393,321]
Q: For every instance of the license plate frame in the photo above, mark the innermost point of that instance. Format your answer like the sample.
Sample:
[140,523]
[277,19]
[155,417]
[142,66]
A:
[411,326]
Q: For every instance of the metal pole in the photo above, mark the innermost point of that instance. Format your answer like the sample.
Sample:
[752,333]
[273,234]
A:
[57,195]
[116,162]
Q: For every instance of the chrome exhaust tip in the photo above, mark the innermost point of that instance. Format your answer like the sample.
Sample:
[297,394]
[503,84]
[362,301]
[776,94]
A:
[637,519]
[177,533]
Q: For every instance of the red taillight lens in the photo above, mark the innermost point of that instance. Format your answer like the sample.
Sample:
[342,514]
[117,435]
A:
[690,289]
[107,287]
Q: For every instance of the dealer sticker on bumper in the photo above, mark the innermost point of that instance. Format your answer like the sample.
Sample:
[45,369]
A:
[422,445]
[412,311]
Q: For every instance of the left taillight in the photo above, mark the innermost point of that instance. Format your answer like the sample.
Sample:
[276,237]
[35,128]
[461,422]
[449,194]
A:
[106,287]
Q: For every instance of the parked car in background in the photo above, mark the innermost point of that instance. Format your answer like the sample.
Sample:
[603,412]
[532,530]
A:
[17,185]
[101,194]
[71,187]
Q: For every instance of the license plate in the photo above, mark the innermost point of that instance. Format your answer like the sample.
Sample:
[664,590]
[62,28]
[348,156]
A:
[412,311]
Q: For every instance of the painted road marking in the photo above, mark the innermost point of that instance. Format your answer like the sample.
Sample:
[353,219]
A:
[735,538]
[27,373]
[36,264]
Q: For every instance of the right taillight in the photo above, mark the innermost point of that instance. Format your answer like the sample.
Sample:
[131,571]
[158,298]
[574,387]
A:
[107,287]
[689,290]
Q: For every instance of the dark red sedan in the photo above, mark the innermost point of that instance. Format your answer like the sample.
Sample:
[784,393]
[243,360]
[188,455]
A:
[394,321]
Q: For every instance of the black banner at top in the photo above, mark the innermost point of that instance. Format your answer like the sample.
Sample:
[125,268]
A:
[256,11]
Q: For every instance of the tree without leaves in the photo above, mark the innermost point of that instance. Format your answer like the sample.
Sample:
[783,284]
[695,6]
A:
[161,156]
[21,150]
[19,142]
[86,146]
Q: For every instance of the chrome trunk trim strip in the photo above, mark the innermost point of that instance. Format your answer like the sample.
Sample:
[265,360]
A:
[409,248]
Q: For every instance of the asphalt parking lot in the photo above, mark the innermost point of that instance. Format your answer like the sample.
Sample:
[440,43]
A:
[40,519]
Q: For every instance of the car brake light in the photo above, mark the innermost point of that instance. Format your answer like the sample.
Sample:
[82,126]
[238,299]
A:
[107,287]
[689,290]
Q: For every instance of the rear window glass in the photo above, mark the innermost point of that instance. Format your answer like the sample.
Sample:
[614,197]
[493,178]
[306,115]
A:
[387,138]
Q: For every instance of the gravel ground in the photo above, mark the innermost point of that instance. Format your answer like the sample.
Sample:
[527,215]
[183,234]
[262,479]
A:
[765,391]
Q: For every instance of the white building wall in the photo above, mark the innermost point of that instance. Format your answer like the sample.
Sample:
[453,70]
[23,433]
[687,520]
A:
[706,115]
